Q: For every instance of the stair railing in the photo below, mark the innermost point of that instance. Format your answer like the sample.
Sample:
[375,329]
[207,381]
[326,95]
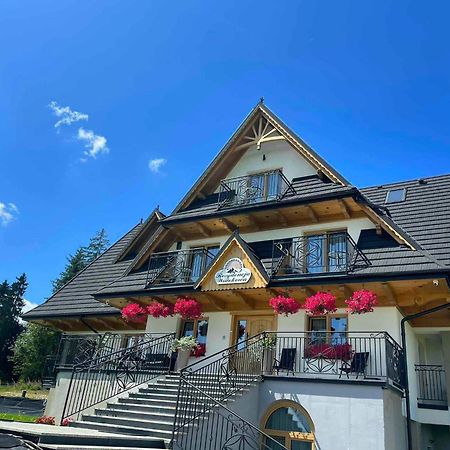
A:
[201,419]
[108,375]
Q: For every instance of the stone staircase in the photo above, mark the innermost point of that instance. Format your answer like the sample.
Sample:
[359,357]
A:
[143,419]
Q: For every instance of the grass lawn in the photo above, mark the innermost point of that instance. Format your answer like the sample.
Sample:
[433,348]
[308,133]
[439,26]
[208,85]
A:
[34,391]
[17,417]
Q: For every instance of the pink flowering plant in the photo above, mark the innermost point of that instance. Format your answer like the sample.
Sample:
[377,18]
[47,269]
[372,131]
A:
[188,308]
[284,305]
[134,313]
[320,304]
[46,420]
[66,422]
[362,302]
[157,309]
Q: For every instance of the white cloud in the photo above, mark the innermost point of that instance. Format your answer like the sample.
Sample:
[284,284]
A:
[156,164]
[28,306]
[95,143]
[66,114]
[8,212]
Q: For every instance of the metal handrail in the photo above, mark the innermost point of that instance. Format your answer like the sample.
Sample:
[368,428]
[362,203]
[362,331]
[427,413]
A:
[101,378]
[431,383]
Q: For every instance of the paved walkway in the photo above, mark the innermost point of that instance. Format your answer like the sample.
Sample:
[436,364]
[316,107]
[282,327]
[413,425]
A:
[19,405]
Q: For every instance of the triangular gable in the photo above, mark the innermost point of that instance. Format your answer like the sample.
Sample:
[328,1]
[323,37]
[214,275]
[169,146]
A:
[235,266]
[261,125]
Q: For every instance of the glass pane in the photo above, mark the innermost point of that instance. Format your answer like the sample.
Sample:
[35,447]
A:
[255,190]
[337,252]
[338,328]
[241,333]
[196,265]
[273,185]
[288,419]
[314,254]
[318,328]
[188,328]
[301,445]
[212,252]
[270,445]
[202,334]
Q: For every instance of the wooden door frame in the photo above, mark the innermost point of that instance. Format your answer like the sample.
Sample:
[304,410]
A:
[236,314]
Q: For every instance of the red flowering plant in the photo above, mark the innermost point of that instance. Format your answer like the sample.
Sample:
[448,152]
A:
[362,302]
[157,309]
[329,351]
[188,308]
[66,422]
[320,303]
[284,305]
[198,351]
[46,420]
[134,313]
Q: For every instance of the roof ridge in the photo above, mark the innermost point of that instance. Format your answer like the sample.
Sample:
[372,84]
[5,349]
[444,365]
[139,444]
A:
[411,180]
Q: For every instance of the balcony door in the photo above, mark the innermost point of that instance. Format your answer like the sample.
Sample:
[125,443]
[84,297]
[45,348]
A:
[325,252]
[263,187]
[245,327]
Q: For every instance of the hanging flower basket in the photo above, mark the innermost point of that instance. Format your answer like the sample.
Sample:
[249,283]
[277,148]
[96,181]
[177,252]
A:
[188,308]
[157,310]
[284,305]
[134,313]
[362,302]
[320,304]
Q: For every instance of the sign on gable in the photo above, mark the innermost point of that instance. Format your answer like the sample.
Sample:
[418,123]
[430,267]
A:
[233,272]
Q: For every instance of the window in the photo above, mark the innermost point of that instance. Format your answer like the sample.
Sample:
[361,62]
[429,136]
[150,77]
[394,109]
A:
[262,187]
[395,196]
[326,252]
[331,329]
[287,423]
[198,329]
[198,262]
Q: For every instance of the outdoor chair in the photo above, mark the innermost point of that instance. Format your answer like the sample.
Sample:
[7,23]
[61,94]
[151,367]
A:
[287,361]
[357,365]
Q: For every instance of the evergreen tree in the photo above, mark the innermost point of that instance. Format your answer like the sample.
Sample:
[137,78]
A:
[75,263]
[97,245]
[31,349]
[11,304]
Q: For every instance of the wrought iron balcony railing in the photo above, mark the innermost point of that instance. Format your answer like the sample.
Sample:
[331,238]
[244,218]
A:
[316,254]
[254,189]
[431,386]
[178,267]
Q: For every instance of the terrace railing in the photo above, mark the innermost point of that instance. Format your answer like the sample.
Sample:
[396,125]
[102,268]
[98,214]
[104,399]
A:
[107,375]
[431,385]
[253,189]
[178,267]
[316,254]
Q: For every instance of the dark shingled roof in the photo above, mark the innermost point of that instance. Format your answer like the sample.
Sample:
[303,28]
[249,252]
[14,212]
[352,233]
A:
[425,213]
[306,188]
[75,298]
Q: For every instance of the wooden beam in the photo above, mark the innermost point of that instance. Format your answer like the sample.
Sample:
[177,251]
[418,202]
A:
[252,219]
[228,225]
[345,210]
[281,218]
[274,292]
[311,213]
[201,195]
[346,291]
[389,293]
[247,301]
[177,234]
[202,229]
[215,301]
[306,290]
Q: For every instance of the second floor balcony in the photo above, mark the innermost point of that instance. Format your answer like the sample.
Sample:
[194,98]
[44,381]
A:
[254,189]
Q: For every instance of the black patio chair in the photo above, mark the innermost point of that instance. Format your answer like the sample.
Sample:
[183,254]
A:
[357,365]
[287,361]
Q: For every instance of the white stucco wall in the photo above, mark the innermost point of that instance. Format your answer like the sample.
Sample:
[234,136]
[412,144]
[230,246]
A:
[278,155]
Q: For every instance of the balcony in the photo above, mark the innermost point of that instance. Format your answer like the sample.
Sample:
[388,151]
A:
[315,254]
[431,387]
[349,356]
[254,189]
[178,267]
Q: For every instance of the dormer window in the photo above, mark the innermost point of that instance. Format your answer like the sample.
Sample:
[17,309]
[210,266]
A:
[395,196]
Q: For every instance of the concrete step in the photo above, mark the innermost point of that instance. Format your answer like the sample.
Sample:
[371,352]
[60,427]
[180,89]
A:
[149,433]
[139,420]
[148,401]
[164,409]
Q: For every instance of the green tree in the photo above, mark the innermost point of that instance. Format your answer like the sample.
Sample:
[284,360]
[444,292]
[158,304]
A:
[97,245]
[11,304]
[31,349]
[81,258]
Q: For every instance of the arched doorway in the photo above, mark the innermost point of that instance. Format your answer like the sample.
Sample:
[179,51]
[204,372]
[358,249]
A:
[289,424]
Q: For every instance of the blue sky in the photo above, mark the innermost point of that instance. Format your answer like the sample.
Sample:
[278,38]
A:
[367,84]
